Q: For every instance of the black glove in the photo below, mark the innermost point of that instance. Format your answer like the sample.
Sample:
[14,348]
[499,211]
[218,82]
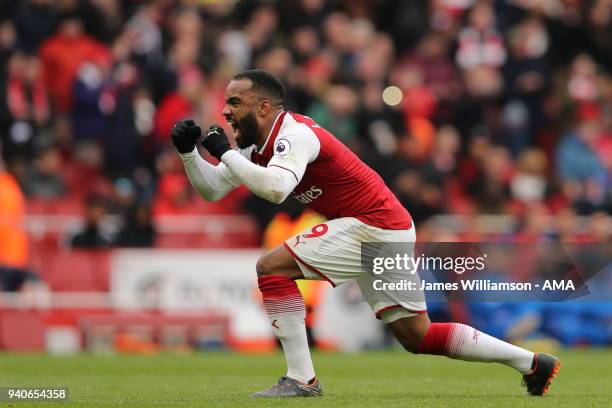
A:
[185,135]
[216,141]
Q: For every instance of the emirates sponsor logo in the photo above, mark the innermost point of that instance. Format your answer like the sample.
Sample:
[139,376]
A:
[309,196]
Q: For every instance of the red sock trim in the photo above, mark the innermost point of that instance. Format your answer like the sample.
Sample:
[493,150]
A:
[281,295]
[436,339]
[277,286]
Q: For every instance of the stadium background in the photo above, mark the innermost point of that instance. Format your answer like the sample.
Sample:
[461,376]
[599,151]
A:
[491,121]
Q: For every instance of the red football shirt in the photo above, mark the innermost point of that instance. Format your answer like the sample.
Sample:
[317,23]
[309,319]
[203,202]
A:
[335,183]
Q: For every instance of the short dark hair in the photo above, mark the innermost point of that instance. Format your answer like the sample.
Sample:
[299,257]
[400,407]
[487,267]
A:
[264,82]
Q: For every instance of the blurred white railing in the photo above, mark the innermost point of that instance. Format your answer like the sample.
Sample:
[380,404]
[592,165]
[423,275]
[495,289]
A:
[44,300]
[38,225]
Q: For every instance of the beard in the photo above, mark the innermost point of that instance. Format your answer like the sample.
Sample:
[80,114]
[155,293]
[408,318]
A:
[247,131]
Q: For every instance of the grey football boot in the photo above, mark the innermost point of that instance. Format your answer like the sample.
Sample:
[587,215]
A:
[288,387]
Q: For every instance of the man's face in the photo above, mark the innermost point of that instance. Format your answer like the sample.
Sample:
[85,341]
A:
[240,112]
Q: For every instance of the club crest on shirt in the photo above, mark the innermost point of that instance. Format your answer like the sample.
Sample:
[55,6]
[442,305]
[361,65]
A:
[282,147]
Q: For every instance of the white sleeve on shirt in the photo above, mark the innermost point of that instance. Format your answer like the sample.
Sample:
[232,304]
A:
[211,182]
[293,150]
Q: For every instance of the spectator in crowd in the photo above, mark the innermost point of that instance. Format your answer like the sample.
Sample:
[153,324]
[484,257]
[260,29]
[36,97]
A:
[440,76]
[177,105]
[13,237]
[25,112]
[138,232]
[62,55]
[582,173]
[480,44]
[92,98]
[92,235]
[174,193]
[336,112]
[526,79]
[45,180]
[35,21]
[8,44]
[15,275]
[529,182]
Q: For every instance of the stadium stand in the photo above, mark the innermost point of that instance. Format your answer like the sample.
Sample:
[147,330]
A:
[491,120]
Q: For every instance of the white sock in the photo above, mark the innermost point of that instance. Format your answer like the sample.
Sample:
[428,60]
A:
[291,331]
[467,343]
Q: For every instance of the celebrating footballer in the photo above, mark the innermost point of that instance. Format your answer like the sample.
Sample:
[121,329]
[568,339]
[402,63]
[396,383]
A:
[281,154]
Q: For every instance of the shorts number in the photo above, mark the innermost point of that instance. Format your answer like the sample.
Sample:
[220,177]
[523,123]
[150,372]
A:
[317,231]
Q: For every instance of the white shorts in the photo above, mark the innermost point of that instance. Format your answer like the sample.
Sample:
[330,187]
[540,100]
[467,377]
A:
[332,251]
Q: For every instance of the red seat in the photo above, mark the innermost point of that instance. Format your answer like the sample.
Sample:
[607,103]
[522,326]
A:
[175,240]
[71,205]
[76,271]
[21,330]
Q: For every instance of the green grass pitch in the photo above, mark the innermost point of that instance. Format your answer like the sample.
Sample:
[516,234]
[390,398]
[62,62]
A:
[371,379]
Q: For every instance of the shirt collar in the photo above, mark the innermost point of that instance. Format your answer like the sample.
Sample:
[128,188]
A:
[278,121]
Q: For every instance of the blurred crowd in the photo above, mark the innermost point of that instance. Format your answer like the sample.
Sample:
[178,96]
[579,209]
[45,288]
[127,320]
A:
[463,106]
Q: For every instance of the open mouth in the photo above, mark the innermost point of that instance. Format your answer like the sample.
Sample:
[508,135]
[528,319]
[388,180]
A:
[235,127]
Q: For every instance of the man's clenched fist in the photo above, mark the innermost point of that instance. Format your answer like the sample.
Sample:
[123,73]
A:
[185,135]
[216,141]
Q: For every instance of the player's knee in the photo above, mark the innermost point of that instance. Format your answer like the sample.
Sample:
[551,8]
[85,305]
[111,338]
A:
[278,262]
[410,331]
[265,266]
